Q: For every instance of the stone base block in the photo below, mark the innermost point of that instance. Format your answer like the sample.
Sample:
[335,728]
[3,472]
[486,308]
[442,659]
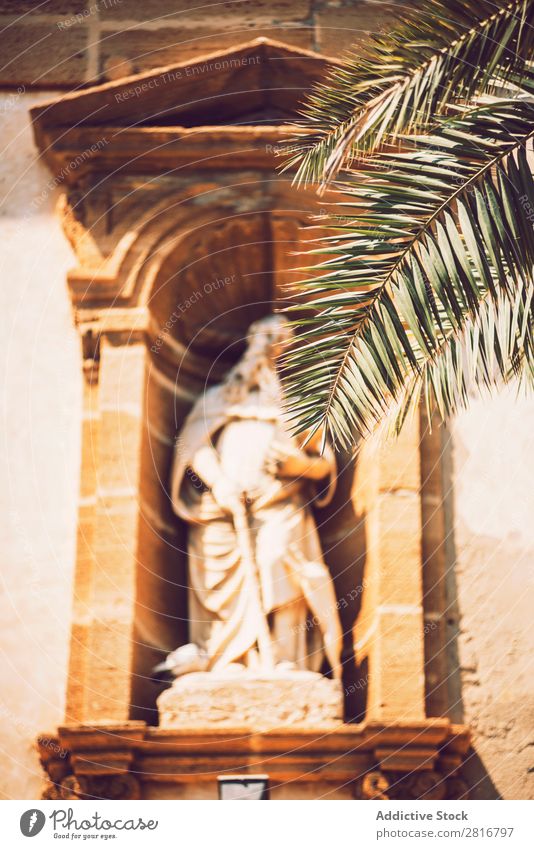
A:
[260,700]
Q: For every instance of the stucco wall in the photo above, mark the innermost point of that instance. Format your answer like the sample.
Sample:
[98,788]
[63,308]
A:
[40,400]
[493,510]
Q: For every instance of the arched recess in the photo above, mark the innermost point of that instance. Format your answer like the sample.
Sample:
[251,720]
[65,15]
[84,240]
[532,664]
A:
[218,277]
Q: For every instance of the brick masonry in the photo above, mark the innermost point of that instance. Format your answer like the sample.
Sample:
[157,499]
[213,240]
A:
[69,43]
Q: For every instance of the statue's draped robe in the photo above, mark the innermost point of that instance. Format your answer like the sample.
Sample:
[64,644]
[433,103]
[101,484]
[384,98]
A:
[295,586]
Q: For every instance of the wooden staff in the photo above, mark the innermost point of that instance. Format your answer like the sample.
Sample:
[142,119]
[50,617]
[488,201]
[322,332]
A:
[246,547]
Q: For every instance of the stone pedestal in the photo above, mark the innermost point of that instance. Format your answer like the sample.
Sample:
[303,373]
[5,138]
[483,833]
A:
[259,701]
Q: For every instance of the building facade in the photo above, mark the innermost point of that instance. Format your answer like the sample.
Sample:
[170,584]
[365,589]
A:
[146,225]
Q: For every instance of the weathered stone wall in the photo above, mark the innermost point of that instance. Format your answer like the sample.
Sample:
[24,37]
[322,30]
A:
[65,44]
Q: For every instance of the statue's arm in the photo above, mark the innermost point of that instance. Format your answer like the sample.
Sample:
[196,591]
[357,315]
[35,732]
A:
[297,462]
[321,456]
[318,467]
[205,463]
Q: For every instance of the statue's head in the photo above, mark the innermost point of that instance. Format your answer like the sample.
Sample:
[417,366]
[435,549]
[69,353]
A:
[269,336]
[266,340]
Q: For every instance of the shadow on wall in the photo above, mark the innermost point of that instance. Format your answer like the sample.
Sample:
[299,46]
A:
[343,538]
[478,778]
[474,770]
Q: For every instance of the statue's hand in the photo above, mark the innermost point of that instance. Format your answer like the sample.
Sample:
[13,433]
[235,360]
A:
[286,461]
[227,496]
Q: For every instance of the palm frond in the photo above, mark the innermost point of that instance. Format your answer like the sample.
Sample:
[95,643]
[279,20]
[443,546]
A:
[444,52]
[495,348]
[433,233]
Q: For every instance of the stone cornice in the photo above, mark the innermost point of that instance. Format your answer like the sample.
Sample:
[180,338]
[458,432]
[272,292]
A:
[163,150]
[420,757]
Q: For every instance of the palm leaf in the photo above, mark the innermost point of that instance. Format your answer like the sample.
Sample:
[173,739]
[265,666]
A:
[495,348]
[445,52]
[433,234]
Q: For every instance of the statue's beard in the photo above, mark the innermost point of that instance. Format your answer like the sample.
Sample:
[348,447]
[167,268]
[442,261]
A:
[256,375]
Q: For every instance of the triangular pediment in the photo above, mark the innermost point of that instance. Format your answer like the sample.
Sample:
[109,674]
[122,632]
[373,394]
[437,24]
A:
[261,80]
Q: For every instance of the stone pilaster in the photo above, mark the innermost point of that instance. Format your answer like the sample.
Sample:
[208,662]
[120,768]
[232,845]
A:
[391,627]
[104,607]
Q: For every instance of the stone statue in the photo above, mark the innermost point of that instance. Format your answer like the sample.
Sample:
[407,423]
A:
[242,483]
[261,599]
